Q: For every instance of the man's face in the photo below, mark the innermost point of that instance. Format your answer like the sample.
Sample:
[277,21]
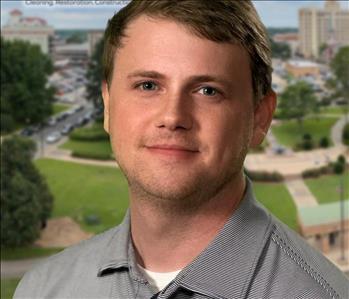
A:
[180,111]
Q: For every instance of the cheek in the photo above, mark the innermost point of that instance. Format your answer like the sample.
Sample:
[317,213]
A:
[230,135]
[127,122]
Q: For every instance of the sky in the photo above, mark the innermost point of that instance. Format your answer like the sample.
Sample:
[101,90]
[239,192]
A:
[85,14]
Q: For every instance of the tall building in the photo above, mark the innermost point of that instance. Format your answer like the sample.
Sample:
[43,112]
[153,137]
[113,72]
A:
[93,37]
[324,29]
[32,29]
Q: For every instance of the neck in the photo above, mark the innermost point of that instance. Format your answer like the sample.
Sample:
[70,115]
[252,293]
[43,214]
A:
[181,234]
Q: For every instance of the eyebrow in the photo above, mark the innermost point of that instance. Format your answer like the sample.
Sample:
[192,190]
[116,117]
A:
[193,79]
[148,74]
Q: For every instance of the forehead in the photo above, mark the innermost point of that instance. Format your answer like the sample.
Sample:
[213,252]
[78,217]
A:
[167,45]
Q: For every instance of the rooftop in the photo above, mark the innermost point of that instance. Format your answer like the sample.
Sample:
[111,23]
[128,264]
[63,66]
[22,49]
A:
[323,214]
[72,47]
[302,63]
[15,12]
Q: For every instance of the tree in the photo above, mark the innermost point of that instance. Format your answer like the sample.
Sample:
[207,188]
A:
[7,121]
[94,76]
[24,71]
[26,200]
[76,38]
[340,81]
[297,101]
[280,50]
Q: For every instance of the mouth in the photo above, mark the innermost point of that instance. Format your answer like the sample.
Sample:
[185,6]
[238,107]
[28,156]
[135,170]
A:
[172,150]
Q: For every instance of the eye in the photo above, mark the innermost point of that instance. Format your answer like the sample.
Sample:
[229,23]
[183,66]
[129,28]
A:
[208,91]
[148,85]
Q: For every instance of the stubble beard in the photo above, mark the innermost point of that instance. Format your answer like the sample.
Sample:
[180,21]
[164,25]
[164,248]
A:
[186,197]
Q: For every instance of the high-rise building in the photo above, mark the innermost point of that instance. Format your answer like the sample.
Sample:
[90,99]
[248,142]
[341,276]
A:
[324,29]
[32,29]
[93,37]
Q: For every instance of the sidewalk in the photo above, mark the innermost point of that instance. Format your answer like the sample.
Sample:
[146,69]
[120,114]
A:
[337,129]
[16,269]
[302,197]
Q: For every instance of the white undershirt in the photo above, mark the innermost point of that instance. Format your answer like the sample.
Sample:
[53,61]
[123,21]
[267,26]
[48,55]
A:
[158,280]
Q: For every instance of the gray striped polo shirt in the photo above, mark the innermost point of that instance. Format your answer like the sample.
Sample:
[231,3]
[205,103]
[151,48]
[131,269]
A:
[253,256]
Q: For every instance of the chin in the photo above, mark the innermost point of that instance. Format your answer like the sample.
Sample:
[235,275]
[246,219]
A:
[170,190]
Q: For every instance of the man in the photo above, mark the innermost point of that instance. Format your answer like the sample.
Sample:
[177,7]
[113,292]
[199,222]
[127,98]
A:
[187,91]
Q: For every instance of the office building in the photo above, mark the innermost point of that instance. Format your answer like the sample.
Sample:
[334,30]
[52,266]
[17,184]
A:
[31,29]
[323,31]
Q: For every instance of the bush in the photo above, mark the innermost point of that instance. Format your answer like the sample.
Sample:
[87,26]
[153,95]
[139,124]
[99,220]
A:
[338,167]
[316,172]
[308,145]
[345,134]
[89,134]
[91,155]
[307,142]
[341,159]
[92,219]
[324,142]
[307,136]
[264,176]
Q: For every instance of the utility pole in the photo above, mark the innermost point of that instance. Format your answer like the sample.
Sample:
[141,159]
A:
[342,211]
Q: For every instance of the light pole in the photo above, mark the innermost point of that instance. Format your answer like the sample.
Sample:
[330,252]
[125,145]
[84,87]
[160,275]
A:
[342,213]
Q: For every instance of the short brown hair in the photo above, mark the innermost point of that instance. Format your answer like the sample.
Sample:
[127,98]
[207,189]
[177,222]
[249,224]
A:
[232,21]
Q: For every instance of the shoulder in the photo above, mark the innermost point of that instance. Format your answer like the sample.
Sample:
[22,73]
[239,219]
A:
[299,264]
[62,269]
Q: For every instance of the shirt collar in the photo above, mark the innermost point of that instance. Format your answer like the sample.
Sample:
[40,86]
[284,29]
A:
[115,255]
[119,253]
[226,267]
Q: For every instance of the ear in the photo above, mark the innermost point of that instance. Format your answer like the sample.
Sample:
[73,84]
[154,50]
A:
[263,115]
[105,95]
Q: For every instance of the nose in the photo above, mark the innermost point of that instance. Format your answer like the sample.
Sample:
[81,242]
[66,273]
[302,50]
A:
[175,112]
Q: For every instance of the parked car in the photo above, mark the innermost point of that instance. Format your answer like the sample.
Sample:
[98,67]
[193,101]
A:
[53,137]
[27,132]
[62,116]
[279,149]
[79,122]
[70,112]
[51,121]
[79,108]
[88,116]
[67,129]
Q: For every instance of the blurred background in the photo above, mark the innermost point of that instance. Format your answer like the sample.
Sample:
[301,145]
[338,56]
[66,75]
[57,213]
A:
[59,181]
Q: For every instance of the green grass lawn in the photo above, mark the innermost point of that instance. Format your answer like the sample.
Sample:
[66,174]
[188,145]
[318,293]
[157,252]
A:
[326,188]
[288,132]
[83,190]
[8,287]
[275,197]
[58,108]
[26,252]
[89,147]
[332,110]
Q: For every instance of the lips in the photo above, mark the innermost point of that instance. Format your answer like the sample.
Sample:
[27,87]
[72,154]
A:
[173,150]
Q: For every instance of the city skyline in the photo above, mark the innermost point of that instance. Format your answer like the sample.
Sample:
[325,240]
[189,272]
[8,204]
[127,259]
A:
[92,15]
